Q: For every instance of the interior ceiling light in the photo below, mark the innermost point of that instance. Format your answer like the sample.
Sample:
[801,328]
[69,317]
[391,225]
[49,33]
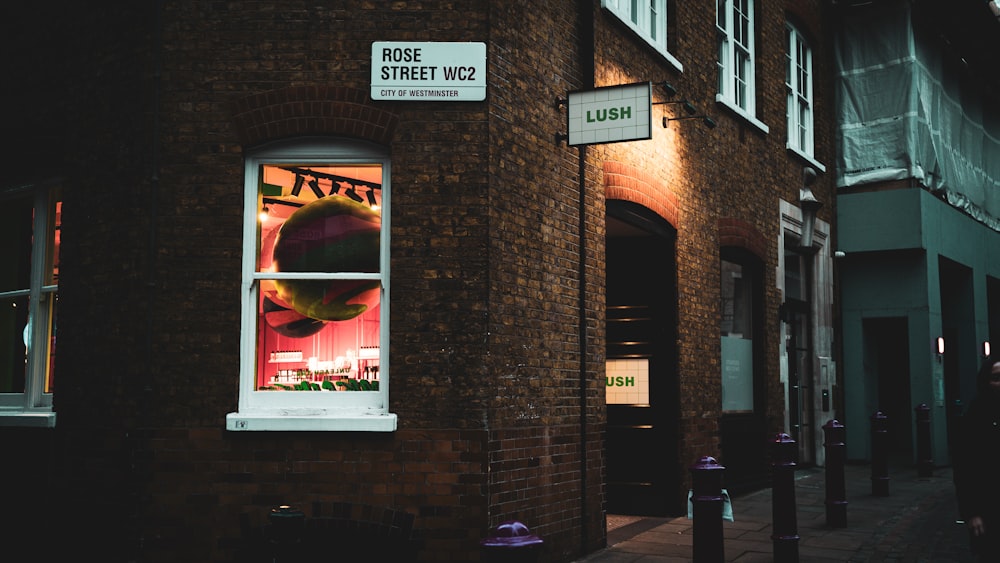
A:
[297,187]
[371,199]
[353,194]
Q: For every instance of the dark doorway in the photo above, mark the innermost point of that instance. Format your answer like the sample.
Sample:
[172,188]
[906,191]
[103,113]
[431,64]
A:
[887,355]
[642,442]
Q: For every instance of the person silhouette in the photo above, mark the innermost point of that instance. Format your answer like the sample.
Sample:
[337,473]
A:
[977,464]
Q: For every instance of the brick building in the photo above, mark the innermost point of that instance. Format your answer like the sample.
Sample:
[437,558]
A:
[501,323]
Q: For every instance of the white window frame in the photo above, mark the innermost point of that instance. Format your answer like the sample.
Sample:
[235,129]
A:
[320,411]
[648,20]
[799,95]
[734,26]
[33,407]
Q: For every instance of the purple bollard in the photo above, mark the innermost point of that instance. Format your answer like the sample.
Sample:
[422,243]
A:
[925,463]
[836,457]
[784,518]
[880,457]
[511,541]
[706,501]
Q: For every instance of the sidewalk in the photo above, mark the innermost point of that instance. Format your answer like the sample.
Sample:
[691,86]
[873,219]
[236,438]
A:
[915,523]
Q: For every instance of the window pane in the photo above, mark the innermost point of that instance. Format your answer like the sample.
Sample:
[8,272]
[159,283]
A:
[319,219]
[295,350]
[16,222]
[49,358]
[13,348]
[736,306]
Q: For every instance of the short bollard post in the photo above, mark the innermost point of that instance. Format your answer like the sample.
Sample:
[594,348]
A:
[706,508]
[925,463]
[784,518]
[511,542]
[286,528]
[836,496]
[880,457]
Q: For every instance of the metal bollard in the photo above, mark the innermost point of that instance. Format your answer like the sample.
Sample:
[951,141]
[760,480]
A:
[880,457]
[836,496]
[925,463]
[286,528]
[706,501]
[511,542]
[784,518]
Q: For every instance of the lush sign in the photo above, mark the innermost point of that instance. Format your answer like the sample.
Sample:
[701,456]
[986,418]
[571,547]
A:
[610,114]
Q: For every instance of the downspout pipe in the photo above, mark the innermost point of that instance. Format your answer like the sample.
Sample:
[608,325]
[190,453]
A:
[585,50]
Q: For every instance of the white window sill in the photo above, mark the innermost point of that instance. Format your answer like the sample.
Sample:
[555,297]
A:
[28,419]
[323,422]
[812,161]
[740,112]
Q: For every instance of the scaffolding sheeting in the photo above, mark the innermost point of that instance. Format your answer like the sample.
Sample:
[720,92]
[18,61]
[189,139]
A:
[910,109]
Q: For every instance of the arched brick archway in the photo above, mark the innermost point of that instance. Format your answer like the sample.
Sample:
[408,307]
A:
[629,183]
[298,111]
[741,234]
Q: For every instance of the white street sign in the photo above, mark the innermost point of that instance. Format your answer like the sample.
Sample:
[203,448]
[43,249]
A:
[436,71]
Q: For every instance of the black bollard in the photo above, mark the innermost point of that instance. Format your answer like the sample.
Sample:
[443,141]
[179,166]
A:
[784,518]
[706,501]
[925,463]
[880,457]
[836,496]
[286,527]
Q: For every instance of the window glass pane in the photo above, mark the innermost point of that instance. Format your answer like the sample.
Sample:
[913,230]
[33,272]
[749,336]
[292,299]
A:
[16,222]
[49,358]
[736,306]
[321,331]
[13,348]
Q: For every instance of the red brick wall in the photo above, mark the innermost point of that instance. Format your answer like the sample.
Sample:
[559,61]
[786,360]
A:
[487,377]
[716,186]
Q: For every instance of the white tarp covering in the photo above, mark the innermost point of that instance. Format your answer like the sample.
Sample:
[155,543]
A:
[907,111]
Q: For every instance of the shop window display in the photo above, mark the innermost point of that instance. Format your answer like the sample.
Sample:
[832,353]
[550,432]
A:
[317,287]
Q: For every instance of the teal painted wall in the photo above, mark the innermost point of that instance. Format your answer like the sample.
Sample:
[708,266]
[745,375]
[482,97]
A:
[895,243]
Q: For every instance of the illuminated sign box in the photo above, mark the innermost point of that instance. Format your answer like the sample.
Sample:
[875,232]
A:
[611,114]
[422,72]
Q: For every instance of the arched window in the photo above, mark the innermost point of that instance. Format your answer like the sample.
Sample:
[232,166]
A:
[315,288]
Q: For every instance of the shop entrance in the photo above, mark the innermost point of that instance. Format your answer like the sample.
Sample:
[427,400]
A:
[642,390]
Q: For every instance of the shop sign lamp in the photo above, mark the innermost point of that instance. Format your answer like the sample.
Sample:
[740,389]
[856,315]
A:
[809,205]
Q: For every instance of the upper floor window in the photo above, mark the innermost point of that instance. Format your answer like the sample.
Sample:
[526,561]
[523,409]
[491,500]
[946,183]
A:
[799,94]
[648,19]
[30,218]
[315,299]
[734,24]
[799,91]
